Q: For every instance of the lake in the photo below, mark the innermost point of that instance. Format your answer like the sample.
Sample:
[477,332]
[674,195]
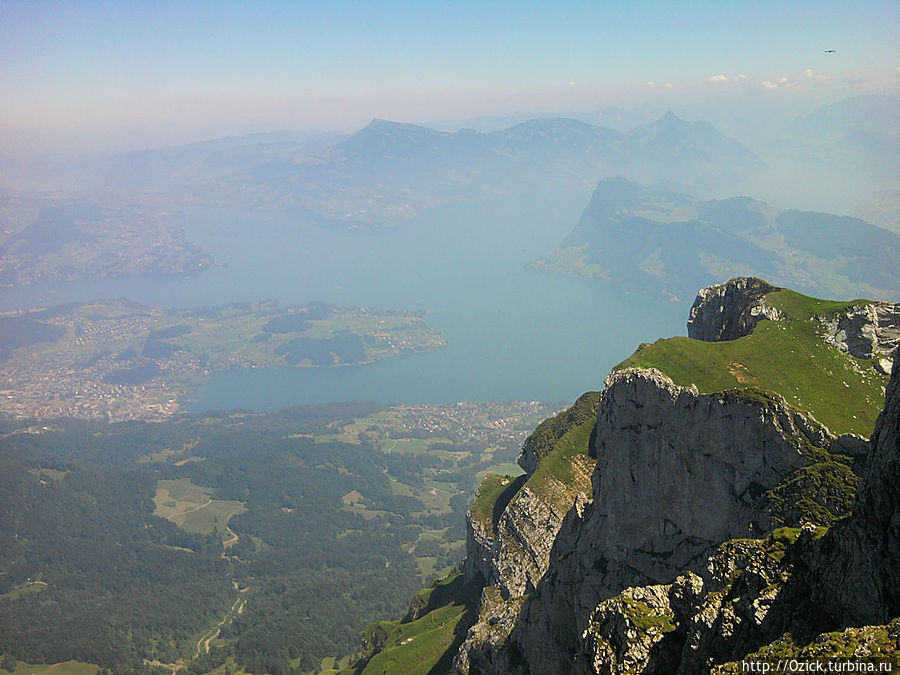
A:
[512,333]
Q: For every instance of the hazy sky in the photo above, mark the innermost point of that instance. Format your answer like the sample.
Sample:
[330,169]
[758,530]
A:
[177,70]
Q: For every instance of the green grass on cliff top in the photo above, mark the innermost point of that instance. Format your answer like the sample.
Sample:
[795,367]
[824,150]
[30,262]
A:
[562,473]
[489,493]
[798,306]
[565,471]
[783,357]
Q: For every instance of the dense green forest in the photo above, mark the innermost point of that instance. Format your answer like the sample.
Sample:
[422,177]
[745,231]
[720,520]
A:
[311,531]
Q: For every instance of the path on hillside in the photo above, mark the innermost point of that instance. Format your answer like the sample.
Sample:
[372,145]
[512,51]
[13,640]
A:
[237,608]
[196,508]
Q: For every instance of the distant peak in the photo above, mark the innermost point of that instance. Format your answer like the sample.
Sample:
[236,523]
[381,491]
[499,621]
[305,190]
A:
[378,124]
[670,119]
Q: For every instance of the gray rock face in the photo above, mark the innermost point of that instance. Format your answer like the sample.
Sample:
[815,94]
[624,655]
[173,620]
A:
[867,331]
[485,639]
[613,600]
[696,621]
[509,560]
[627,633]
[677,473]
[857,565]
[751,592]
[514,556]
[731,310]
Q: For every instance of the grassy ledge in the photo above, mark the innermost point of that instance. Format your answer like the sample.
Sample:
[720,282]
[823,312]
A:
[494,490]
[419,646]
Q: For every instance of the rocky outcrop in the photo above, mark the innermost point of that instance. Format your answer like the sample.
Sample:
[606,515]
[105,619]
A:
[808,592]
[630,632]
[508,561]
[866,331]
[515,555]
[509,555]
[731,310]
[677,473]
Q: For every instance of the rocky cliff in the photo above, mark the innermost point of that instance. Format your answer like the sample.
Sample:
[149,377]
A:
[677,473]
[798,592]
[510,534]
[704,536]
[729,311]
[867,331]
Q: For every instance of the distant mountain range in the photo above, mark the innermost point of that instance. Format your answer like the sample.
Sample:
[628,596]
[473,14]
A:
[843,157]
[649,240]
[388,171]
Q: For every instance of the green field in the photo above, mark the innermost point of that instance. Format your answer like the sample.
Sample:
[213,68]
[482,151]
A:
[64,668]
[25,589]
[192,508]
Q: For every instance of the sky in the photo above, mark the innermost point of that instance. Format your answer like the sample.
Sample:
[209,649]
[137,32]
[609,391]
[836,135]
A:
[155,72]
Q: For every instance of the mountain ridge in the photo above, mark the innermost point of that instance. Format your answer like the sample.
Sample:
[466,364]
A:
[649,240]
[592,610]
[712,513]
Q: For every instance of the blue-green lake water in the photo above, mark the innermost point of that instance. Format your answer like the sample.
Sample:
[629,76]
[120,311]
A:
[512,332]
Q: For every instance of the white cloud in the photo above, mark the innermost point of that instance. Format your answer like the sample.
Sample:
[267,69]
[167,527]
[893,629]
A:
[769,85]
[571,83]
[718,78]
[668,85]
[740,78]
[651,83]
[784,80]
[809,72]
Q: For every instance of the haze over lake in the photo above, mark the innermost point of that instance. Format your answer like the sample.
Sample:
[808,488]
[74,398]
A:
[465,266]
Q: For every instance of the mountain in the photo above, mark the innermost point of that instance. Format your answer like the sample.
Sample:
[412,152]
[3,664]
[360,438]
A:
[648,240]
[717,501]
[388,171]
[843,157]
[203,164]
[872,113]
[664,146]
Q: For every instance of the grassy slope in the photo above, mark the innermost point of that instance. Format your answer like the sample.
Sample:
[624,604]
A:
[418,646]
[565,471]
[784,357]
[489,492]
[561,442]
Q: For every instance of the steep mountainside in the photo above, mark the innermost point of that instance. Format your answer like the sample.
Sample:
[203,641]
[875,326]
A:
[722,518]
[647,240]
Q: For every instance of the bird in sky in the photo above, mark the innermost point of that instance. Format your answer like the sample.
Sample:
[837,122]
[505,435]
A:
[830,51]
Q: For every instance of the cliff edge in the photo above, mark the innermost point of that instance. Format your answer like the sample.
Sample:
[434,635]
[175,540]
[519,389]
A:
[720,522]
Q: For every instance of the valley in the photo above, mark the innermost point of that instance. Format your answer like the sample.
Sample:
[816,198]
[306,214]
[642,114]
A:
[375,494]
